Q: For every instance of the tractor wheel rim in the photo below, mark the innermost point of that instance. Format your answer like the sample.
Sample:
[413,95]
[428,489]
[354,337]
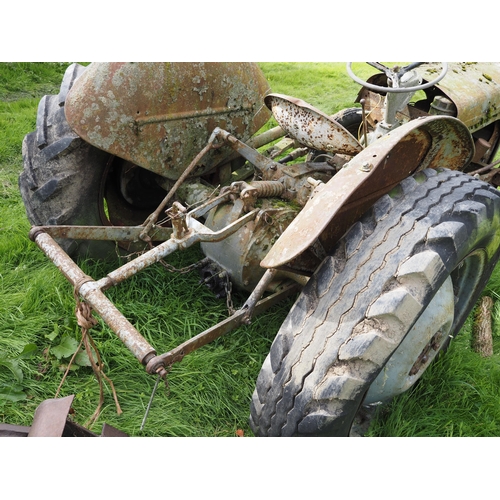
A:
[418,349]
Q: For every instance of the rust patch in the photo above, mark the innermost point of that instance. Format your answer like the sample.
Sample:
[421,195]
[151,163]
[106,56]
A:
[310,126]
[474,88]
[160,115]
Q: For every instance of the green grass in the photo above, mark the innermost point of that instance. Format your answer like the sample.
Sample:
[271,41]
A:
[26,79]
[209,392]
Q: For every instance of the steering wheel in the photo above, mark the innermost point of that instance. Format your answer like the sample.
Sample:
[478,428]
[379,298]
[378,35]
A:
[395,75]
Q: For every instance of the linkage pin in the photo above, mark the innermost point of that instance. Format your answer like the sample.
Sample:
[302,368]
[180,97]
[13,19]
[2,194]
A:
[150,402]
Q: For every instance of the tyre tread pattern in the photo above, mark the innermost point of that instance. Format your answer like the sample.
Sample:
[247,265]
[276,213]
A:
[60,181]
[335,340]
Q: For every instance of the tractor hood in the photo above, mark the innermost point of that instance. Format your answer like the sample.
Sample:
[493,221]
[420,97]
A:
[474,88]
[160,115]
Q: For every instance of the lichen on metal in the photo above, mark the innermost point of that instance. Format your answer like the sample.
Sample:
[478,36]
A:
[159,115]
[473,87]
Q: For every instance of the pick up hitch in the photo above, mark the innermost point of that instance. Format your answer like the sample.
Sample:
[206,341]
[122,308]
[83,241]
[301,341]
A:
[186,232]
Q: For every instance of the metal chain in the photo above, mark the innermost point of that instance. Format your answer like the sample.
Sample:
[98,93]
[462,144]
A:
[229,300]
[183,270]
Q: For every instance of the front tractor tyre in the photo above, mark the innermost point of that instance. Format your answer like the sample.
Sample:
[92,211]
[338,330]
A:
[393,292]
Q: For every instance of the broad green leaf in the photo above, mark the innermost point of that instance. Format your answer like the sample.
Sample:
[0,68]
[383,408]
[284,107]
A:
[54,334]
[11,393]
[82,359]
[28,351]
[13,366]
[66,348]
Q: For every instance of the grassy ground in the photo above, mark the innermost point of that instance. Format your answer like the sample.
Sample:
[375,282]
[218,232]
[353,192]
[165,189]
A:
[208,393]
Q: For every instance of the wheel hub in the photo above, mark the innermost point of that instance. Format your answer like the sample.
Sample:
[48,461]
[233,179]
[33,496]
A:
[418,349]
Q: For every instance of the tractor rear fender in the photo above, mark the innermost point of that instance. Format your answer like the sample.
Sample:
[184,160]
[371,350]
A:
[160,115]
[428,142]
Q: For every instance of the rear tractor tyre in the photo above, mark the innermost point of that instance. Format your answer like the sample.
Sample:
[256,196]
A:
[66,181]
[396,288]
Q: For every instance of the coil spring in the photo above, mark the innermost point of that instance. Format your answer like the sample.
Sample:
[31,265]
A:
[268,189]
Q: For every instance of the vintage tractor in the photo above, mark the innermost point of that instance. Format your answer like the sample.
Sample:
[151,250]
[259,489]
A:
[384,218]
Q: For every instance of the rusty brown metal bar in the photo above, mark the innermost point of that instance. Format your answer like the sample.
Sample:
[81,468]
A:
[123,233]
[258,292]
[260,140]
[261,162]
[239,318]
[154,216]
[484,169]
[107,233]
[90,291]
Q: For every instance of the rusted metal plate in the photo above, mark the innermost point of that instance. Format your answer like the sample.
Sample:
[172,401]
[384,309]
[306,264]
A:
[10,430]
[310,126]
[475,90]
[160,115]
[429,142]
[110,431]
[50,417]
[51,420]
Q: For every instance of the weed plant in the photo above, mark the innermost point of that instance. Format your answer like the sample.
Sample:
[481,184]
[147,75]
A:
[209,392]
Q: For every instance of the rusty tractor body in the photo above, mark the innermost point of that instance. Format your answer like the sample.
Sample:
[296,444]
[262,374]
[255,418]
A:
[162,156]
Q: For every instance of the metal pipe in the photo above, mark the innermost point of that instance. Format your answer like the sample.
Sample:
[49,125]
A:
[139,263]
[258,292]
[266,137]
[261,162]
[104,233]
[90,291]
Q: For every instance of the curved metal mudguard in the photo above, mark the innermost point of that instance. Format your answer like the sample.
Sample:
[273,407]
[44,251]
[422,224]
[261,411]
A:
[428,142]
[160,115]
